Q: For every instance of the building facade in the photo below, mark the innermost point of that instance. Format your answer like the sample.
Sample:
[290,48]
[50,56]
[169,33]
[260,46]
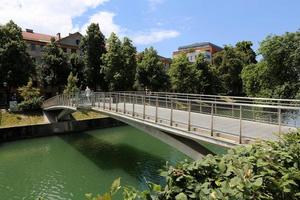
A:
[206,48]
[36,42]
[166,62]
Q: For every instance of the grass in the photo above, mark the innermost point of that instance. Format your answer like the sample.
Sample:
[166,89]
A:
[83,115]
[9,119]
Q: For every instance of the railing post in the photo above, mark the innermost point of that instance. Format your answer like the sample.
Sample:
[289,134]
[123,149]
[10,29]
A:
[171,114]
[200,104]
[156,109]
[117,102]
[144,106]
[279,120]
[212,120]
[109,101]
[133,106]
[103,100]
[189,118]
[124,107]
[241,119]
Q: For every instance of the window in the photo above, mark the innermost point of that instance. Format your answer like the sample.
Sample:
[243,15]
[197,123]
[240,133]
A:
[32,47]
[77,42]
[73,50]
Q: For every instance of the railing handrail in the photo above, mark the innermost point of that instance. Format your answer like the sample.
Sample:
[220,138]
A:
[214,101]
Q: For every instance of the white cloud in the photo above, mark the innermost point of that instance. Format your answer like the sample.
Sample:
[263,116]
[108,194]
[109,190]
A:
[154,36]
[154,3]
[53,16]
[45,16]
[106,22]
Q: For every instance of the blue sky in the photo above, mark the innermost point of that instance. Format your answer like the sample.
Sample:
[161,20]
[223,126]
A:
[164,24]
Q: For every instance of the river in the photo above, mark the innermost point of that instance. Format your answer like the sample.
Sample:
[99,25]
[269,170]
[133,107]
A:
[69,166]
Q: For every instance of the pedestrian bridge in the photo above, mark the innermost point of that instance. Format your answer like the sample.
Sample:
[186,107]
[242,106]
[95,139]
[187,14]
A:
[221,120]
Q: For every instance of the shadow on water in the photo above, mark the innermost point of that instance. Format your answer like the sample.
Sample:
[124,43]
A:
[135,162]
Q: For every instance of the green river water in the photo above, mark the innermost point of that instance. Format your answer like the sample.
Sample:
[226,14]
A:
[69,166]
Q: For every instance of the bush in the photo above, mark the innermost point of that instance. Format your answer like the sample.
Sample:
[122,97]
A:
[31,104]
[31,97]
[264,170]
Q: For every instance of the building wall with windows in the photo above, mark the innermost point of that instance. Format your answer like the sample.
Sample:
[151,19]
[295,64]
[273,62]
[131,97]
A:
[206,48]
[36,42]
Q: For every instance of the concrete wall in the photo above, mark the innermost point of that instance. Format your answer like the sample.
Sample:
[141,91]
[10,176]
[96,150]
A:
[21,132]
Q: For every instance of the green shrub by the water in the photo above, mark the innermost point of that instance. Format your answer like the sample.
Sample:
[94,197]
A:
[264,170]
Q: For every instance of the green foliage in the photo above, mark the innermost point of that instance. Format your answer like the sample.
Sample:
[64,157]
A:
[150,71]
[93,47]
[264,170]
[16,65]
[71,87]
[115,187]
[77,67]
[119,63]
[129,62]
[278,72]
[32,99]
[54,70]
[183,75]
[229,64]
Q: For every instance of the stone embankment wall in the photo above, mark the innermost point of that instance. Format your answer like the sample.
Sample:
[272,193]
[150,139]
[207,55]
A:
[31,131]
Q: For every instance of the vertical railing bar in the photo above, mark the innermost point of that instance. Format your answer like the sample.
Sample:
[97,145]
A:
[144,106]
[241,119]
[171,114]
[189,118]
[156,109]
[212,120]
[279,120]
[133,102]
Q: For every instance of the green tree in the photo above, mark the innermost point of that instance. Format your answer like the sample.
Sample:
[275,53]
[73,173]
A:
[28,92]
[229,64]
[204,76]
[93,47]
[279,69]
[16,66]
[32,99]
[54,69]
[71,87]
[150,71]
[119,63]
[130,64]
[183,75]
[77,67]
[113,65]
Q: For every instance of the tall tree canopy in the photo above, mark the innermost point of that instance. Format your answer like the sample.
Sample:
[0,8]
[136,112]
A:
[183,75]
[129,62]
[150,71]
[77,67]
[277,74]
[229,64]
[93,47]
[54,70]
[204,75]
[16,66]
[113,67]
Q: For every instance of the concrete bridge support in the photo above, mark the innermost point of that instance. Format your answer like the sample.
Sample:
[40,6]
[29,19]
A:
[187,146]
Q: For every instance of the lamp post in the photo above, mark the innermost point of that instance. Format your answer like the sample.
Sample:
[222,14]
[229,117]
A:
[6,92]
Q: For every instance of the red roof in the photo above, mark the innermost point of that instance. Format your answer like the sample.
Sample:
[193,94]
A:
[37,37]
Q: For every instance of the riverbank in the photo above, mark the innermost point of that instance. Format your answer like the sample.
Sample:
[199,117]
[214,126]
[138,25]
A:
[59,128]
[13,119]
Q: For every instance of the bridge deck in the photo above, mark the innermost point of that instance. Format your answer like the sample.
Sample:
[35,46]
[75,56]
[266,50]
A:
[201,123]
[230,120]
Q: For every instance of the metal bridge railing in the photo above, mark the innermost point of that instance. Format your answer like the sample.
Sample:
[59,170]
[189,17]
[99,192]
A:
[165,108]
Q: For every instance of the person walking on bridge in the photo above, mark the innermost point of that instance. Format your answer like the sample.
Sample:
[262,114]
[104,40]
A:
[88,93]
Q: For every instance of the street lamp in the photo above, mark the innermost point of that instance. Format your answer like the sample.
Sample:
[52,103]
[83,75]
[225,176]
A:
[5,86]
